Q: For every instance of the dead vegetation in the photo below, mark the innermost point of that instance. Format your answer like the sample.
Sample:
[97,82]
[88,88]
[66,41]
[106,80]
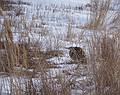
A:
[104,50]
[105,53]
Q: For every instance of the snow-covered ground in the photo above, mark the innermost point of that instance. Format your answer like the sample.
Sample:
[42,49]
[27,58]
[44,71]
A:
[59,2]
[49,26]
[55,19]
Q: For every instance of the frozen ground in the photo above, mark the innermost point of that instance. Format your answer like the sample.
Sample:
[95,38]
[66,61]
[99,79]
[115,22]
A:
[81,83]
[56,21]
[59,2]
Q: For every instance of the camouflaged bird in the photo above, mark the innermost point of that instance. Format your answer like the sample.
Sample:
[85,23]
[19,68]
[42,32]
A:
[77,54]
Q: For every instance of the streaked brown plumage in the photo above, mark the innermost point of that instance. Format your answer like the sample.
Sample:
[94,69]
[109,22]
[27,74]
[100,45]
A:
[77,54]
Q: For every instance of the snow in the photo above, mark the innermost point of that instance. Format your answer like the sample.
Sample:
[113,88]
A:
[66,2]
[4,85]
[56,24]
[59,60]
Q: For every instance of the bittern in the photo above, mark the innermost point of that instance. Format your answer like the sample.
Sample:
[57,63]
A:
[77,54]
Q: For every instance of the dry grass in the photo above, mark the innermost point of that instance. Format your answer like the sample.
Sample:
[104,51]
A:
[104,58]
[105,54]
[106,72]
[98,19]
